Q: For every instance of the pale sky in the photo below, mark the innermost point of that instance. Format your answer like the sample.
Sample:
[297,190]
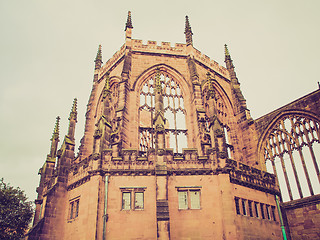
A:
[47,49]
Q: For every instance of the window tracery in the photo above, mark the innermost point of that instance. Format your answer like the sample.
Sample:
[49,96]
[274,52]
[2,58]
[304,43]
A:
[292,152]
[174,113]
[220,111]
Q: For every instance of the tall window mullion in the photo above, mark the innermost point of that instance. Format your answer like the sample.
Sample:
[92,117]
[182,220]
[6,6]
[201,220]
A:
[173,103]
[294,142]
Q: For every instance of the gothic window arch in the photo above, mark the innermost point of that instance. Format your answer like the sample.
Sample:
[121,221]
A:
[291,150]
[174,113]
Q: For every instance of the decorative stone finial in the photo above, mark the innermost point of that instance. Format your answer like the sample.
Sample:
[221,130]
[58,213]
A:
[73,113]
[55,135]
[99,54]
[188,32]
[106,89]
[226,51]
[98,59]
[129,21]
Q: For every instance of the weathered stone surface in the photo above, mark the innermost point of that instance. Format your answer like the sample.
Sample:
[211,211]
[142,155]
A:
[114,189]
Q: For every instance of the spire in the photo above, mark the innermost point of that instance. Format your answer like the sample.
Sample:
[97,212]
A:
[226,51]
[72,120]
[54,141]
[128,30]
[188,32]
[129,21]
[236,91]
[55,135]
[98,59]
[230,66]
[73,113]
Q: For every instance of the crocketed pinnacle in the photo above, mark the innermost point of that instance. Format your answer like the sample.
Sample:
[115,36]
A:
[129,21]
[228,60]
[226,51]
[55,135]
[106,89]
[99,55]
[188,32]
[73,113]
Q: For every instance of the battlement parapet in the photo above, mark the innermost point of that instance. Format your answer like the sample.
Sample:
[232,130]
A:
[164,48]
[211,63]
[189,160]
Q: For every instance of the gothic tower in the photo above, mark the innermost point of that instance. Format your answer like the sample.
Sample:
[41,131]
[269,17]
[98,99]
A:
[169,152]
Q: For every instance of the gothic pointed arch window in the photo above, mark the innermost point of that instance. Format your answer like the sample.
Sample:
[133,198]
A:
[291,150]
[174,113]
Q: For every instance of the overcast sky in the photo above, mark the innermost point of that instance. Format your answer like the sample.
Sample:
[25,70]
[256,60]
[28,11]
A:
[47,49]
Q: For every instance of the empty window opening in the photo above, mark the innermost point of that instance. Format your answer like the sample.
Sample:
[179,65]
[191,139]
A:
[292,152]
[174,113]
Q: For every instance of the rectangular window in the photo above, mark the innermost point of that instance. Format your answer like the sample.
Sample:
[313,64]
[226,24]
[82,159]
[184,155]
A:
[183,199]
[74,208]
[244,209]
[262,211]
[256,209]
[250,208]
[126,200]
[71,210]
[138,200]
[273,212]
[188,198]
[236,201]
[132,198]
[268,212]
[194,199]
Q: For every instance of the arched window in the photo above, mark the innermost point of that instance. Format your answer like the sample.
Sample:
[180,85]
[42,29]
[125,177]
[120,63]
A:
[174,113]
[292,152]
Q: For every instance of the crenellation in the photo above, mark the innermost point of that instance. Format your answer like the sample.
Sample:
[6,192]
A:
[166,44]
[164,47]
[152,43]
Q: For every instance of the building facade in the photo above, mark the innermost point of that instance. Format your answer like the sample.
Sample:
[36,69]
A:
[170,151]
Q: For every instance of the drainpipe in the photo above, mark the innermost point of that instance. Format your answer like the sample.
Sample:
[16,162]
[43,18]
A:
[281,219]
[105,216]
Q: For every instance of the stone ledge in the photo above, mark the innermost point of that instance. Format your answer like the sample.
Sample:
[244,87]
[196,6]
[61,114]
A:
[307,201]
